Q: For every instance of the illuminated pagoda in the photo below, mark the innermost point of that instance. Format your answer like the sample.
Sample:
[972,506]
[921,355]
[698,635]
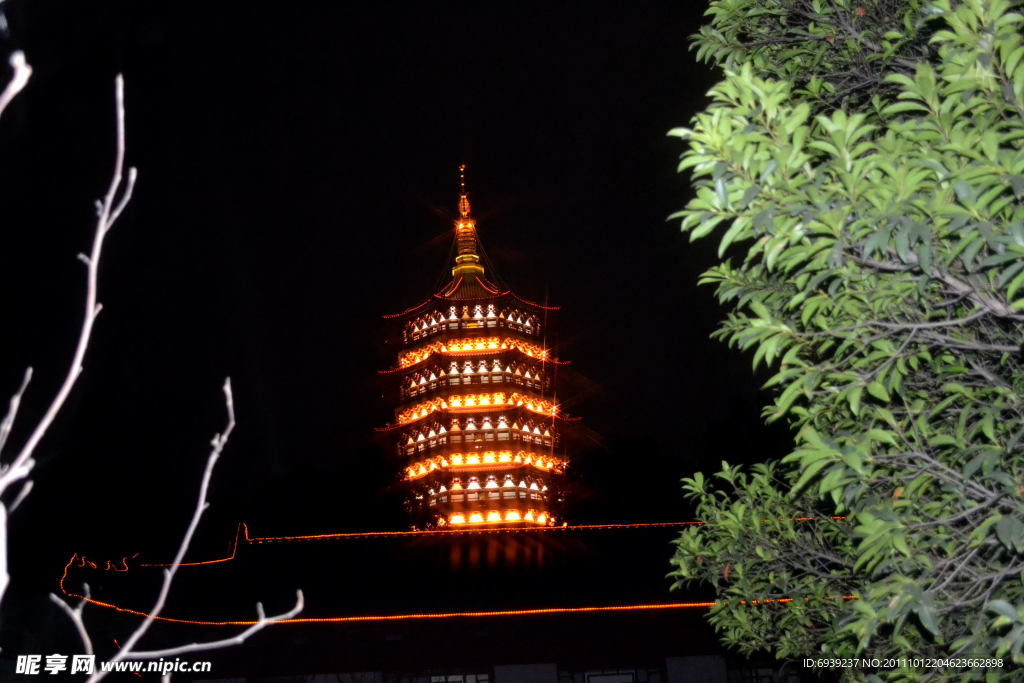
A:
[483,448]
[477,427]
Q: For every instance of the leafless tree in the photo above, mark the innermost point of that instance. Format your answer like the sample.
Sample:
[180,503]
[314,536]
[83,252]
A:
[15,472]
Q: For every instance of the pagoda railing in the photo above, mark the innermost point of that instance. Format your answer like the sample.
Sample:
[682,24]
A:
[459,325]
[498,381]
[460,440]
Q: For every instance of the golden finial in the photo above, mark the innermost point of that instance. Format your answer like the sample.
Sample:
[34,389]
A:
[467,261]
[463,196]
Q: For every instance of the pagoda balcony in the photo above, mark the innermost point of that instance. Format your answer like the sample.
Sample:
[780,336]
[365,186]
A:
[477,317]
[423,365]
[461,326]
[489,381]
[460,441]
[461,500]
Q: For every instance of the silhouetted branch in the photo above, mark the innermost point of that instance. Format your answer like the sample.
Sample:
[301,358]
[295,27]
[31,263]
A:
[117,197]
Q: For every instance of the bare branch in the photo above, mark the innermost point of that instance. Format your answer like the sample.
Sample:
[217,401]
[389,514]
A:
[956,322]
[75,615]
[12,410]
[261,624]
[118,195]
[22,71]
[104,223]
[218,443]
[26,488]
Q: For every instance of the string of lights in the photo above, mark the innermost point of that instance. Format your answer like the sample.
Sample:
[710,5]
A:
[411,616]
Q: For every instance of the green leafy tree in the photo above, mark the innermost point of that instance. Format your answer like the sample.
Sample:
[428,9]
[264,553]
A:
[866,182]
[832,51]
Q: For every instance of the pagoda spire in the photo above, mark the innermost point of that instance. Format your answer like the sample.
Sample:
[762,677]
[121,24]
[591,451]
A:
[467,261]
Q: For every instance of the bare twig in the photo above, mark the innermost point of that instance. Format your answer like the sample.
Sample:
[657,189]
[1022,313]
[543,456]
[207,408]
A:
[26,488]
[12,409]
[75,614]
[127,650]
[217,447]
[107,214]
[117,197]
[22,71]
[262,623]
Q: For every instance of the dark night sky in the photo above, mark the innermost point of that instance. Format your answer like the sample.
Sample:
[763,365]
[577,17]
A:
[296,181]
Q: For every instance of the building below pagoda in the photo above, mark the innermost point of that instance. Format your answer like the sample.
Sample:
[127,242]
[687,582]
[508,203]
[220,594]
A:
[478,431]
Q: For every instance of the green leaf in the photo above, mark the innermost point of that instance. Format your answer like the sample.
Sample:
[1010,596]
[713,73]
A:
[810,471]
[1010,532]
[878,391]
[882,436]
[853,396]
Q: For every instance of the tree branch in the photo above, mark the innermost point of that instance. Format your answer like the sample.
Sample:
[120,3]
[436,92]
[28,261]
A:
[22,72]
[218,443]
[75,615]
[263,622]
[108,212]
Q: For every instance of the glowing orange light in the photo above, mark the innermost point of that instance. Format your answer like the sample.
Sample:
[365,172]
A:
[244,537]
[465,401]
[81,562]
[111,567]
[475,460]
[242,533]
[498,516]
[470,345]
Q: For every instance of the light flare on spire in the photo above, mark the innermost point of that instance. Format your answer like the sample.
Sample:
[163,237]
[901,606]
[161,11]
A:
[467,261]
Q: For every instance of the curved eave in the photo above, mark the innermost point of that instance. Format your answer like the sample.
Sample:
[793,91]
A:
[406,311]
[450,291]
[534,303]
